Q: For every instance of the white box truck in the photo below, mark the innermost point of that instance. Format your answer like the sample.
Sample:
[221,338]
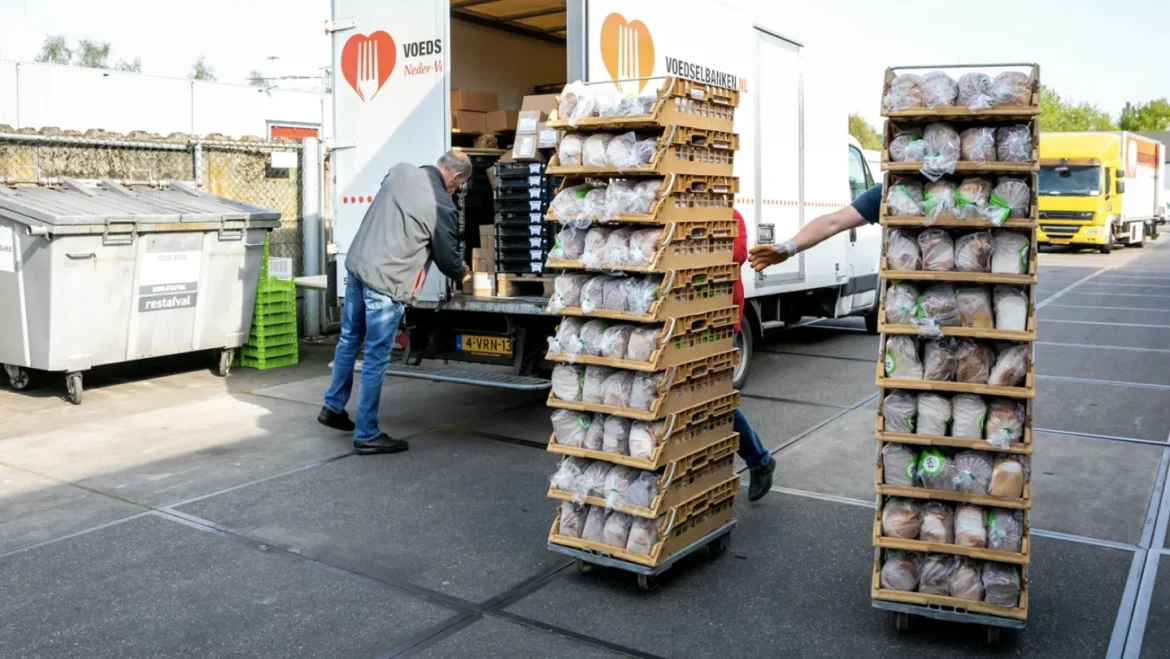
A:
[396,61]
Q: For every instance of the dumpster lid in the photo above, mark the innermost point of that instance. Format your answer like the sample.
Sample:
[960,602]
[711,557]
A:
[73,202]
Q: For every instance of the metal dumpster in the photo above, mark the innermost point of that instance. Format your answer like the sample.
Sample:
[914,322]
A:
[101,272]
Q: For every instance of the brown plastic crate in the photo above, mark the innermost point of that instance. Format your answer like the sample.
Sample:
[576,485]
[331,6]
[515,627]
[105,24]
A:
[1027,336]
[950,113]
[681,150]
[680,103]
[681,339]
[680,481]
[1022,557]
[991,168]
[683,244]
[1023,503]
[683,292]
[684,386]
[1027,391]
[682,198]
[935,601]
[949,221]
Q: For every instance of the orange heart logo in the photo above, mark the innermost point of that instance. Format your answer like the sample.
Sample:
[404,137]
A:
[627,50]
[367,62]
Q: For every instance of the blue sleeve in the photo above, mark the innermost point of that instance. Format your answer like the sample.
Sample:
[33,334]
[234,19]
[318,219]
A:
[869,204]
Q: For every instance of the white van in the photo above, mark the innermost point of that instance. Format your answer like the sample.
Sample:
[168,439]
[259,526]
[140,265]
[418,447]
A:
[395,62]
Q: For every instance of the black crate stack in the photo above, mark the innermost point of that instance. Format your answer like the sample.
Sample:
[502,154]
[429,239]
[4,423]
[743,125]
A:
[522,195]
[474,204]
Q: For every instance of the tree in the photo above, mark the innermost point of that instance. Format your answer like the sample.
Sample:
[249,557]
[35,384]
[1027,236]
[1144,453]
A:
[1152,116]
[201,70]
[132,66]
[863,132]
[93,54]
[1059,114]
[55,51]
[256,79]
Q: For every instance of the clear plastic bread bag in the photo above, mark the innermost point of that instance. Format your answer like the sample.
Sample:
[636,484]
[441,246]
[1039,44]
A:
[902,250]
[617,485]
[1011,308]
[934,414]
[615,341]
[938,90]
[567,382]
[616,293]
[1012,250]
[568,246]
[593,293]
[572,519]
[942,150]
[901,303]
[593,249]
[900,519]
[567,477]
[937,523]
[1005,529]
[938,306]
[1011,366]
[644,150]
[973,472]
[972,197]
[975,308]
[644,438]
[567,292]
[905,92]
[937,570]
[591,336]
[899,463]
[900,570]
[617,436]
[595,434]
[593,151]
[938,250]
[970,528]
[1012,88]
[1008,477]
[900,411]
[594,529]
[619,152]
[936,470]
[967,580]
[643,490]
[609,103]
[593,208]
[975,91]
[643,247]
[1001,584]
[938,360]
[569,150]
[566,207]
[570,95]
[1005,422]
[622,198]
[643,295]
[1013,143]
[645,390]
[643,342]
[648,192]
[938,200]
[617,249]
[968,414]
[643,536]
[593,479]
[973,362]
[973,252]
[977,145]
[570,427]
[616,390]
[594,379]
[907,146]
[904,198]
[901,358]
[1010,199]
[567,340]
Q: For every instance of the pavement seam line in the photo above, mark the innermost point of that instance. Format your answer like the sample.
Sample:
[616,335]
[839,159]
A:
[856,406]
[1141,612]
[1105,383]
[576,636]
[1093,346]
[67,536]
[1104,438]
[431,636]
[1057,295]
[1125,608]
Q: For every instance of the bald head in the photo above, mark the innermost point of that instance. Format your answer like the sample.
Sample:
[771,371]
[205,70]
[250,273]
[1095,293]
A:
[455,167]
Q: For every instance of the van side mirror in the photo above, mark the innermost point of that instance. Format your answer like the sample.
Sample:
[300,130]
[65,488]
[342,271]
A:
[1121,187]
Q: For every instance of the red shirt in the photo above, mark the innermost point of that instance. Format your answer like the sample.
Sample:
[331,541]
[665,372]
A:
[739,254]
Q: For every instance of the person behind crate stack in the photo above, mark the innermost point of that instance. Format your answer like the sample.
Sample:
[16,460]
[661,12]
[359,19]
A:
[759,461]
[864,210]
[411,222]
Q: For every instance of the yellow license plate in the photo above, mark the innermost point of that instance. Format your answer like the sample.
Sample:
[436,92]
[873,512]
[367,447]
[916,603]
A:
[1061,242]
[486,345]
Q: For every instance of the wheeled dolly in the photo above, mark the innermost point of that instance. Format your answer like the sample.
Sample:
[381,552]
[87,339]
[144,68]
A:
[997,628]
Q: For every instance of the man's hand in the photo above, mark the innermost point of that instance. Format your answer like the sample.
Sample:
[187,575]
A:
[765,256]
[466,272]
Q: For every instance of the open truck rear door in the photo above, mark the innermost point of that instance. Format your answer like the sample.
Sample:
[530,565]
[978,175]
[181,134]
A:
[391,94]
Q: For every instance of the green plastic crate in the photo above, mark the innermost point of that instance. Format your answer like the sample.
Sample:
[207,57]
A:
[263,321]
[273,329]
[268,353]
[264,364]
[268,285]
[265,308]
[268,342]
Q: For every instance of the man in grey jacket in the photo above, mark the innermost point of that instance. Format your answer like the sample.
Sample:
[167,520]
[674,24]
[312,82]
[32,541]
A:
[410,224]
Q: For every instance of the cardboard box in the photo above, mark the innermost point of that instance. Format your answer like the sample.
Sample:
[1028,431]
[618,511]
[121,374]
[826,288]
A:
[469,122]
[526,149]
[483,284]
[547,138]
[487,235]
[533,111]
[502,120]
[483,260]
[463,99]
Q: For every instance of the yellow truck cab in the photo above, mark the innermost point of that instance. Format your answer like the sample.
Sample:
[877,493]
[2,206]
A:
[1100,189]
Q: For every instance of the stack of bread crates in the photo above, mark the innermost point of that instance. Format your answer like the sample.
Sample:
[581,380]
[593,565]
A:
[642,393]
[273,339]
[955,373]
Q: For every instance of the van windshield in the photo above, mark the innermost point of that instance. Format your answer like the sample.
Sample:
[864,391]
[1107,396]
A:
[1070,181]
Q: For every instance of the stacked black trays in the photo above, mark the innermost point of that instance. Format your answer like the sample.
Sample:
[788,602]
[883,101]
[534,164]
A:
[523,238]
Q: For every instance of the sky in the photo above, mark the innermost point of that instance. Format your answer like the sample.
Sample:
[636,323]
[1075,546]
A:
[1105,53]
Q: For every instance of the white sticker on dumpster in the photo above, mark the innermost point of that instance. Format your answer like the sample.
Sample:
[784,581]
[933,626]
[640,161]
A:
[7,249]
[169,280]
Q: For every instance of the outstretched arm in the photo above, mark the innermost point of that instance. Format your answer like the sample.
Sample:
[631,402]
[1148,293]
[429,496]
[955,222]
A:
[863,210]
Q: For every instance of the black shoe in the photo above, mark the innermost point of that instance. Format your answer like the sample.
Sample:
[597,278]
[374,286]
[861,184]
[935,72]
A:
[336,420]
[381,444]
[761,483]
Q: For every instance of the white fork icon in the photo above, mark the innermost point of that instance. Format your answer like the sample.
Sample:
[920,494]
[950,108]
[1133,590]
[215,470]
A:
[628,59]
[367,69]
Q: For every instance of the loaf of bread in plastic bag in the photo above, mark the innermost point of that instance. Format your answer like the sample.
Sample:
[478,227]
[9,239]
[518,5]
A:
[899,465]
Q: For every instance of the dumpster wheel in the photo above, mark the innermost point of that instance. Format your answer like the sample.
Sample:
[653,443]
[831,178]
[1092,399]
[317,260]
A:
[226,357]
[20,379]
[74,387]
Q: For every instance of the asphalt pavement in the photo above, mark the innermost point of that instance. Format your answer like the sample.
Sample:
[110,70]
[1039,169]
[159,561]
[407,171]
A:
[175,513]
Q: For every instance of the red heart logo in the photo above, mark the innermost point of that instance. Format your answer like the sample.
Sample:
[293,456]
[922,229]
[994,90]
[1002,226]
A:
[367,62]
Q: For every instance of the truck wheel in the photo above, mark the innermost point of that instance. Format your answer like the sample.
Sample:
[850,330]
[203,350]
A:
[744,342]
[1106,248]
[871,321]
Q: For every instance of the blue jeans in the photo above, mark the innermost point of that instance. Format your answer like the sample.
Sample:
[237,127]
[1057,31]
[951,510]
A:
[751,450]
[371,317]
